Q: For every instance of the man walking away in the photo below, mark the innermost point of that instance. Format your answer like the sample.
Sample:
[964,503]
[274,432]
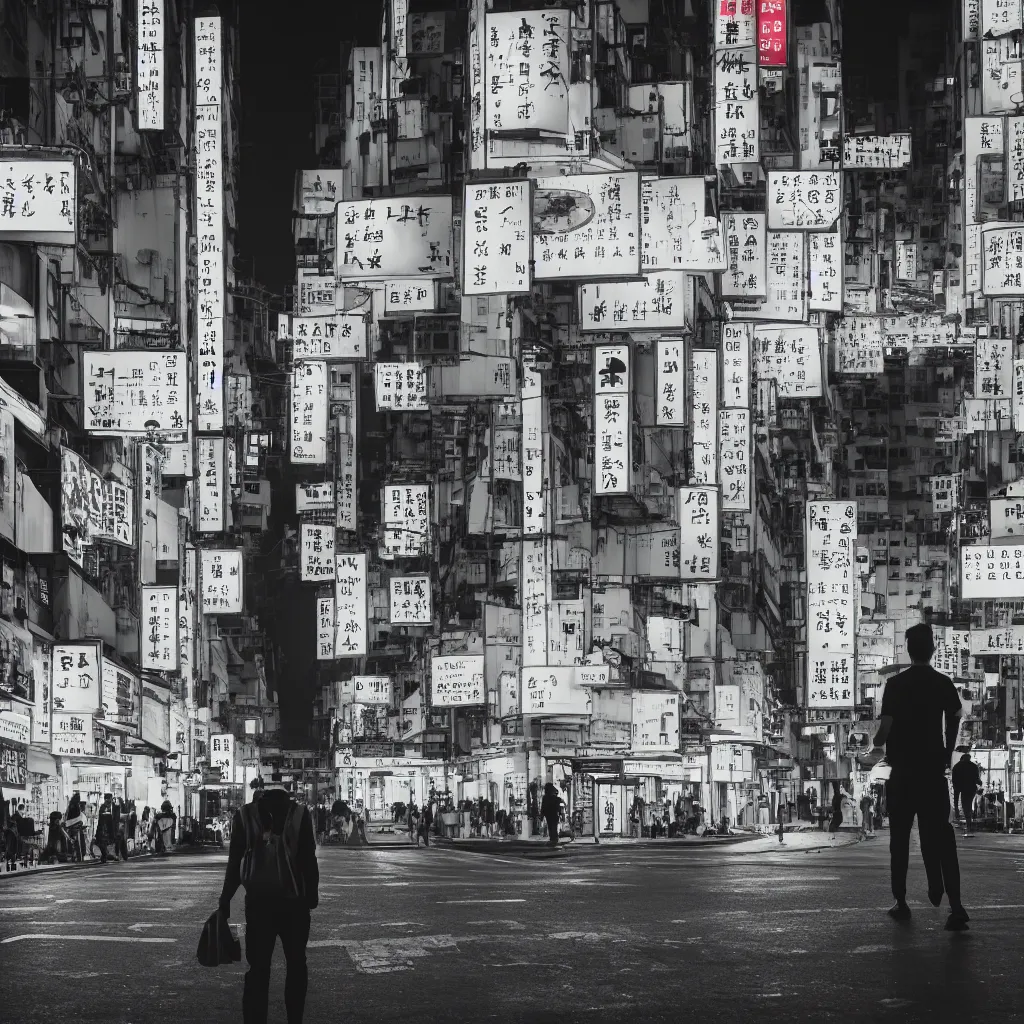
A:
[426,820]
[106,826]
[549,809]
[867,813]
[273,855]
[920,718]
[966,783]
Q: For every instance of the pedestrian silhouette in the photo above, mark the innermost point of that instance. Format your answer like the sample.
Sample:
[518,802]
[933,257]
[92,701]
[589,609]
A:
[919,722]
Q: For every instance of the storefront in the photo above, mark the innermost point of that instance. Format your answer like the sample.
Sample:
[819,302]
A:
[373,785]
[735,786]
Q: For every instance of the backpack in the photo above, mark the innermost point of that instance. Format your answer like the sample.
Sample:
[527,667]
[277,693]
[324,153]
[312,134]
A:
[269,864]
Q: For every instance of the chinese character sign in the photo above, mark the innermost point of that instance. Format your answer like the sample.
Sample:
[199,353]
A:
[877,152]
[350,612]
[587,225]
[660,301]
[527,71]
[38,199]
[457,680]
[320,191]
[553,690]
[331,338]
[791,356]
[535,585]
[704,406]
[76,677]
[737,116]
[496,237]
[1006,518]
[317,293]
[772,38]
[655,720]
[316,552]
[149,80]
[1015,159]
[406,236]
[678,234]
[375,691]
[825,264]
[220,574]
[476,86]
[346,445]
[400,387]
[831,537]
[1000,18]
[735,24]
[532,406]
[122,697]
[787,277]
[993,368]
[945,493]
[317,497]
[804,200]
[135,392]
[734,454]
[991,571]
[859,346]
[325,629]
[309,413]
[1008,640]
[736,365]
[71,734]
[406,521]
[612,420]
[699,522]
[159,628]
[670,400]
[744,277]
[222,755]
[412,296]
[410,600]
[212,479]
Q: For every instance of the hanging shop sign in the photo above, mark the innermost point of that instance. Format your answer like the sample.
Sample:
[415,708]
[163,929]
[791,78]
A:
[735,24]
[1002,262]
[81,504]
[612,419]
[991,571]
[876,152]
[325,629]
[405,236]
[587,225]
[135,393]
[804,200]
[993,368]
[187,573]
[318,497]
[772,38]
[825,266]
[532,411]
[786,278]
[320,191]
[1006,518]
[830,537]
[350,611]
[318,294]
[159,628]
[156,716]
[535,585]
[42,691]
[316,552]
[497,227]
[375,691]
[411,296]
[346,436]
[678,233]
[406,521]
[330,338]
[859,346]
[791,356]
[737,118]
[553,690]
[736,365]
[527,71]
[400,387]
[734,455]
[1007,641]
[211,466]
[655,720]
[704,406]
[658,302]
[220,575]
[457,680]
[122,697]
[76,677]
[309,413]
[670,400]
[149,66]
[410,600]
[222,755]
[39,200]
[71,733]
[745,249]
[699,524]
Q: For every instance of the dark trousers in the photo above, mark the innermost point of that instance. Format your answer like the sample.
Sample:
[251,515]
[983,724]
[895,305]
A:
[926,796]
[264,922]
[552,820]
[965,799]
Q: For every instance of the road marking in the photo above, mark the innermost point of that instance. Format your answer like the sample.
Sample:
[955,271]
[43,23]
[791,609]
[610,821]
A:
[480,901]
[12,910]
[515,926]
[82,938]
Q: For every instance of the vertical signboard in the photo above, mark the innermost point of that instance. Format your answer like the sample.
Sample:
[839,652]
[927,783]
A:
[734,453]
[699,525]
[704,403]
[496,234]
[772,42]
[159,632]
[736,365]
[830,538]
[612,420]
[410,600]
[350,612]
[745,249]
[187,572]
[220,575]
[346,439]
[325,629]
[477,149]
[42,691]
[736,107]
[316,552]
[209,220]
[309,413]
[149,68]
[76,677]
[735,24]
[825,264]
[406,521]
[211,470]
[532,405]
[670,402]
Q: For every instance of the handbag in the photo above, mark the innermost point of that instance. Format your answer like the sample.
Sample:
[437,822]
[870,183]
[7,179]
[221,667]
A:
[217,942]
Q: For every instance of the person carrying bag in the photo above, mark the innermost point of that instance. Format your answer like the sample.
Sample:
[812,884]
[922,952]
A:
[273,856]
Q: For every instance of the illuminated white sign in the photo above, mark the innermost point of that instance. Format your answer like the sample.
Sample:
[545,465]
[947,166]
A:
[677,232]
[860,347]
[612,420]
[71,734]
[655,721]
[400,387]
[350,612]
[745,245]
[804,200]
[587,225]
[1015,159]
[825,265]
[496,233]
[406,521]
[991,571]
[373,690]
[735,24]
[330,338]
[993,368]
[1002,261]
[670,401]
[149,72]
[316,551]
[187,575]
[413,296]
[1006,640]
[346,437]
[325,629]
[410,600]
[211,467]
[527,71]
[737,120]
[159,628]
[476,86]
[76,677]
[309,413]
[135,392]
[945,493]
[658,302]
[830,537]
[553,690]
[39,199]
[317,497]
[736,365]
[220,574]
[222,755]
[699,525]
[535,587]
[906,261]
[406,236]
[1006,517]
[457,680]
[1000,18]
[734,455]
[318,293]
[532,406]
[791,356]
[787,278]
[209,220]
[704,404]
[321,190]
[879,152]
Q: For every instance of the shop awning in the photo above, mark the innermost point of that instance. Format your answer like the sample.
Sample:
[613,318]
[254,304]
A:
[597,765]
[96,761]
[41,762]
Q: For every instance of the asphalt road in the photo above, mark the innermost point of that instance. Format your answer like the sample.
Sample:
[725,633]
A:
[727,935]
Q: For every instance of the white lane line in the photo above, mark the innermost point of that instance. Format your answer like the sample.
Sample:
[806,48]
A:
[82,938]
[12,910]
[440,902]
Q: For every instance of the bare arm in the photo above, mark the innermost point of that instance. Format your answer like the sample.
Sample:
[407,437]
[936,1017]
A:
[952,731]
[884,728]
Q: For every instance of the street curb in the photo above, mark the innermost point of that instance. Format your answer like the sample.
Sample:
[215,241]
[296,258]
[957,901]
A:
[538,851]
[85,865]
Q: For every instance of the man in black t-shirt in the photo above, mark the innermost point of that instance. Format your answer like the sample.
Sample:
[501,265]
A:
[920,718]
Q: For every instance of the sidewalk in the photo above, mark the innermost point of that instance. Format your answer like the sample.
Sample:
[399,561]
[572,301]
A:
[89,862]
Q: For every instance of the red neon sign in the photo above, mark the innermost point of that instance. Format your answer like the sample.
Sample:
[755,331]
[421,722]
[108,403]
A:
[771,33]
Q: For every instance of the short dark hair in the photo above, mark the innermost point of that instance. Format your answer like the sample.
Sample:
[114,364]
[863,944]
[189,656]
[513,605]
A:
[920,643]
